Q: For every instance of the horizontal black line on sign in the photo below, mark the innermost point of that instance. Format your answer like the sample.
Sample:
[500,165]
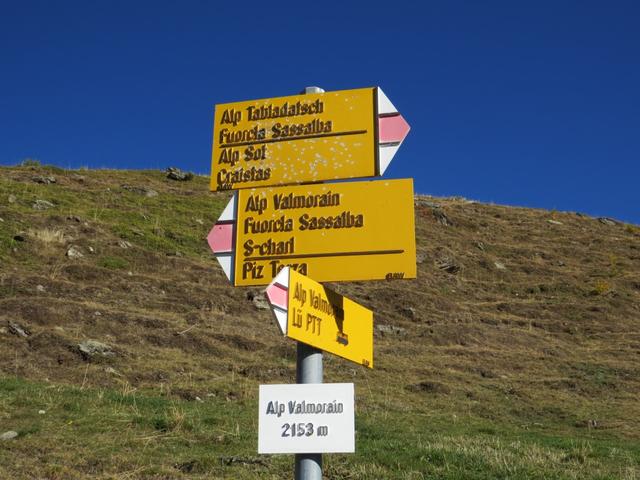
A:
[287,139]
[390,144]
[225,222]
[318,255]
[383,115]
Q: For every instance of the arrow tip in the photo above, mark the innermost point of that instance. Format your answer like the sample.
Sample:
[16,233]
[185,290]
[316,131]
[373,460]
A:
[220,238]
[392,129]
[278,296]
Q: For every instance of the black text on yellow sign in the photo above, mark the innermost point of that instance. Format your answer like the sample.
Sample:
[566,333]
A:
[326,320]
[294,139]
[331,232]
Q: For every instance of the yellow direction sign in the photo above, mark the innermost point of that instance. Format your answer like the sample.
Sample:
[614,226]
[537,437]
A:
[310,313]
[304,138]
[331,232]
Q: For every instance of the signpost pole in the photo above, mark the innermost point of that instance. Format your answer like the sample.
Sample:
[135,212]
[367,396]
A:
[308,370]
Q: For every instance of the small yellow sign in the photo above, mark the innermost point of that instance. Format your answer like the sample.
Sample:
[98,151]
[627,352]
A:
[326,320]
[331,232]
[295,139]
[310,313]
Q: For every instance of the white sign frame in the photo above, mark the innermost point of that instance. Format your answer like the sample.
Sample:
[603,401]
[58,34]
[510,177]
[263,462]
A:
[306,418]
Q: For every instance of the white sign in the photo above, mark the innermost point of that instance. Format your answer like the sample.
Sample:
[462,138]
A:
[306,418]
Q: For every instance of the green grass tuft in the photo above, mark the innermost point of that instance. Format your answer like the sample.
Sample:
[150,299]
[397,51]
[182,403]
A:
[113,263]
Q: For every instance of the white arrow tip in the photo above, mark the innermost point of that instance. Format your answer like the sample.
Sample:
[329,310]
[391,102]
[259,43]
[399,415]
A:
[384,104]
[220,238]
[229,212]
[278,296]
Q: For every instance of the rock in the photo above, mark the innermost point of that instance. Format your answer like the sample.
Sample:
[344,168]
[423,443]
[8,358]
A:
[461,199]
[44,180]
[74,252]
[554,222]
[259,300]
[391,330]
[40,288]
[41,412]
[500,266]
[420,257]
[442,218]
[9,435]
[42,205]
[174,173]
[18,330]
[422,202]
[479,245]
[607,221]
[261,303]
[74,218]
[12,199]
[590,423]
[92,348]
[448,264]
[124,244]
[147,192]
[91,250]
[408,312]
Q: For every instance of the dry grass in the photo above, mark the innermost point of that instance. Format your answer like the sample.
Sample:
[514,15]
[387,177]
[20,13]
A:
[545,347]
[48,235]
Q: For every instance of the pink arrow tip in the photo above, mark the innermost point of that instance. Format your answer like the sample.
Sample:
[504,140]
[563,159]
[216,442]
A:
[220,238]
[278,295]
[392,129]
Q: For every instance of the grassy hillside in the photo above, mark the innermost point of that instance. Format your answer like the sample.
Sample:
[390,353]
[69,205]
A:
[515,354]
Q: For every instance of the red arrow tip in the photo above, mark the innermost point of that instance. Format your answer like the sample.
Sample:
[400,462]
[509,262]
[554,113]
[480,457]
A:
[278,295]
[220,238]
[392,129]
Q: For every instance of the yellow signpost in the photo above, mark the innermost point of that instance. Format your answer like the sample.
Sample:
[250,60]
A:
[282,235]
[310,313]
[304,138]
[330,232]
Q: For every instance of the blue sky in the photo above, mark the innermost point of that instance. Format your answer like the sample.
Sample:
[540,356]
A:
[521,103]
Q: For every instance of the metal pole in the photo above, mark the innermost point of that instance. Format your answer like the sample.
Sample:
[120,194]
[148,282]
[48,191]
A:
[308,370]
